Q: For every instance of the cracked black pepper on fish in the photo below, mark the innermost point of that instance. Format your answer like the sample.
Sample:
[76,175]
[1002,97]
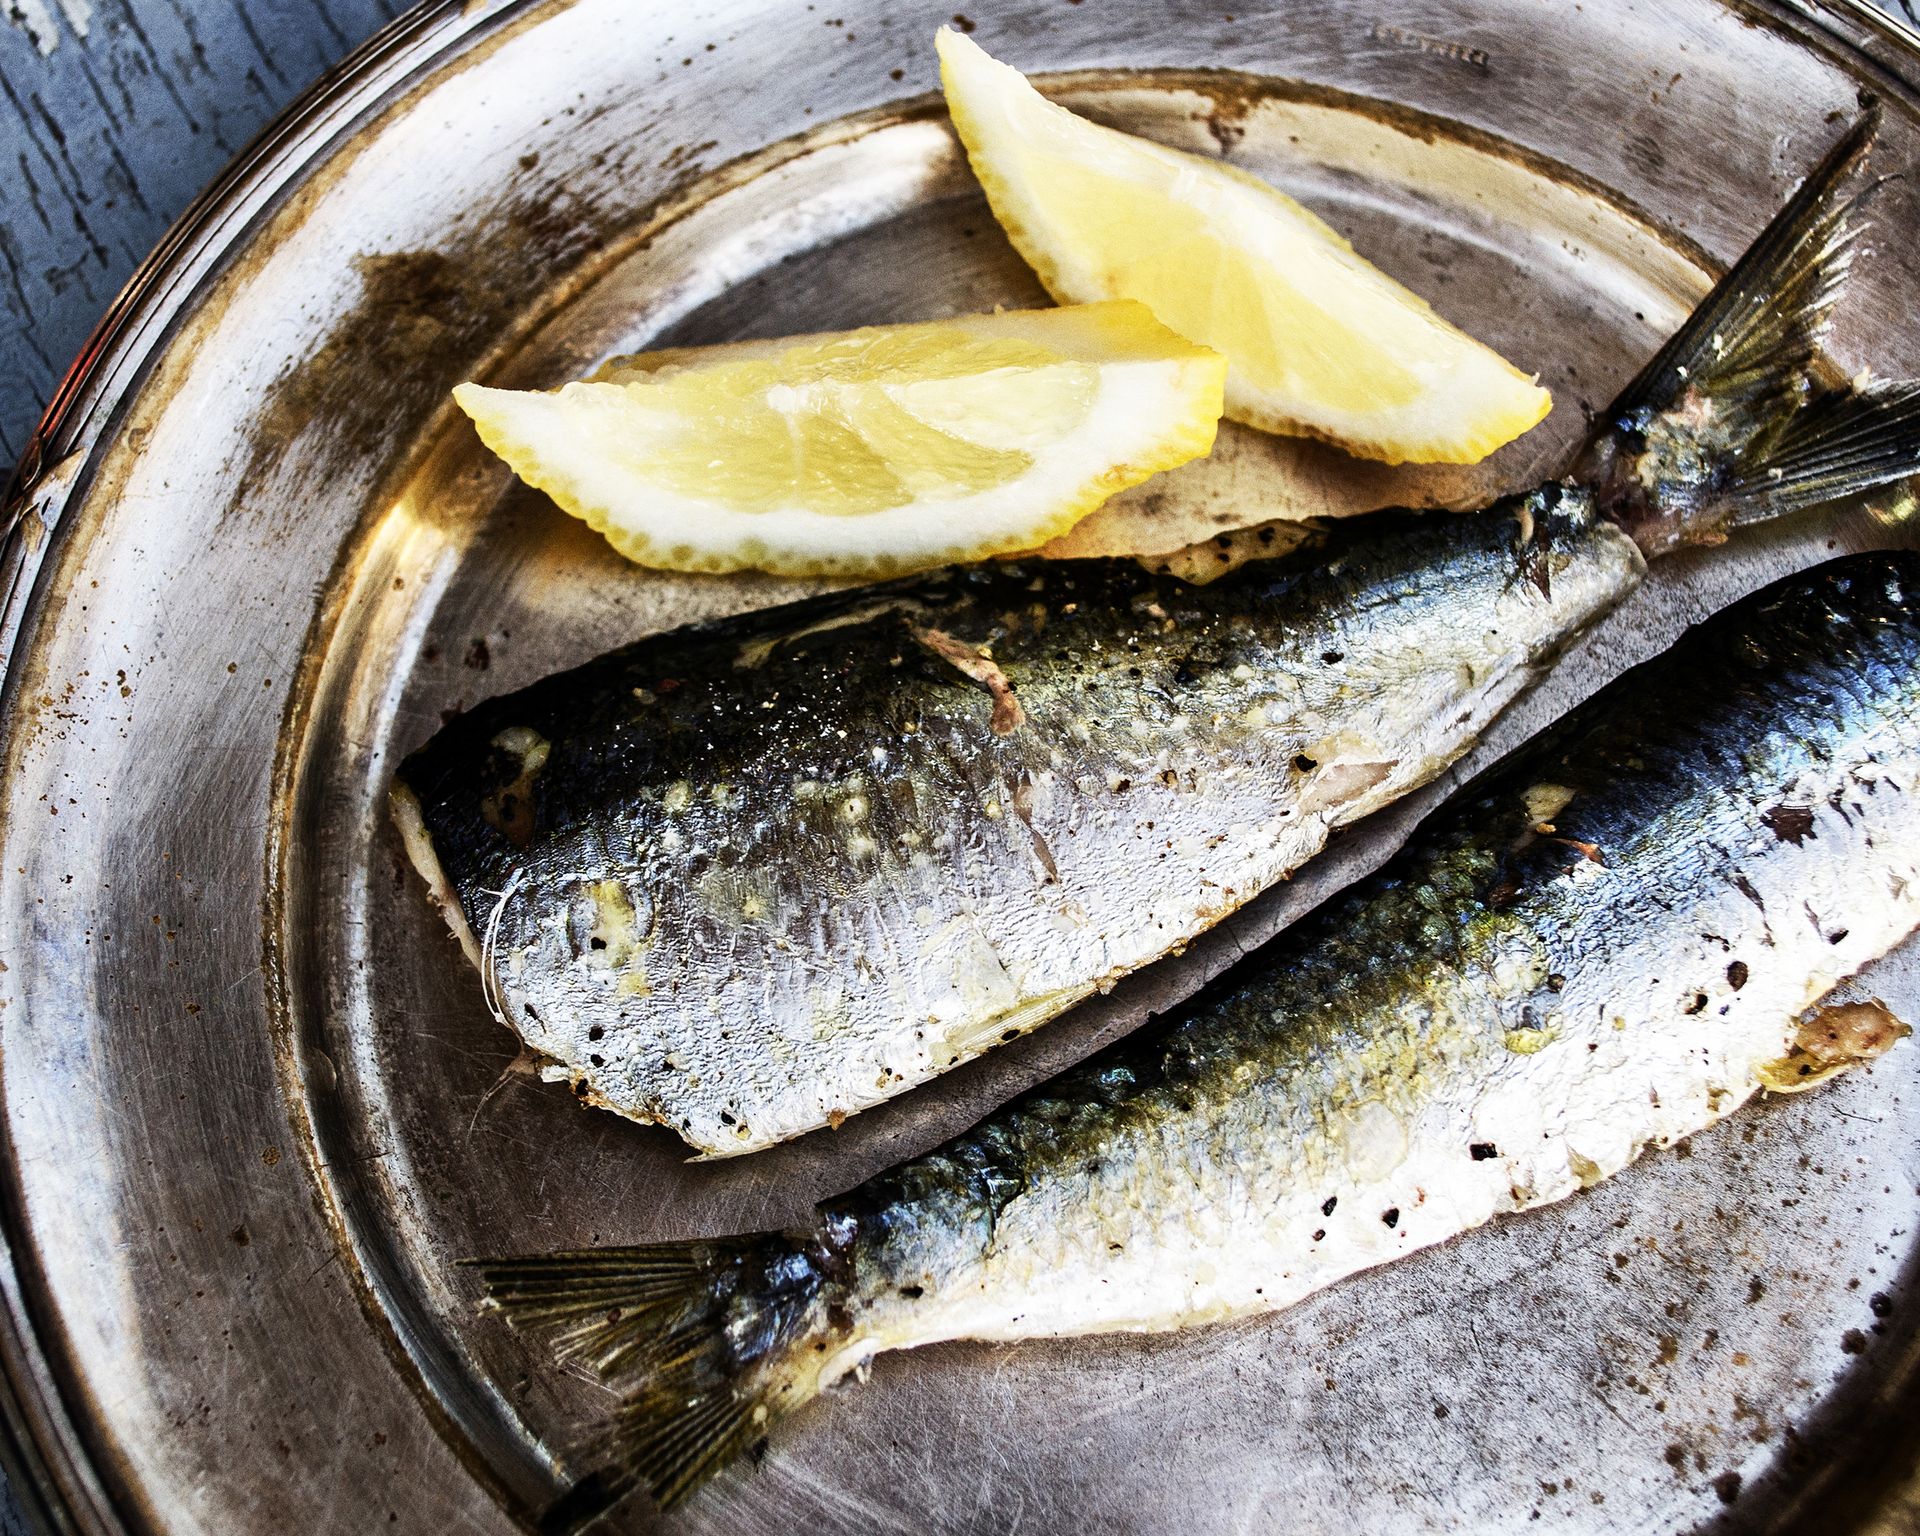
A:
[751,877]
[1605,943]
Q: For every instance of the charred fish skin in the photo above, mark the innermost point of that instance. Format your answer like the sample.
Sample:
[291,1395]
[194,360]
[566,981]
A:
[1604,944]
[751,878]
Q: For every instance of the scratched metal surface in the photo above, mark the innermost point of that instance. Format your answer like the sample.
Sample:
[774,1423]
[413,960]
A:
[253,1103]
[117,113]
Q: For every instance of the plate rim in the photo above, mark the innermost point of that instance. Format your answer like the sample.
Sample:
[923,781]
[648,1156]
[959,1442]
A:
[46,1457]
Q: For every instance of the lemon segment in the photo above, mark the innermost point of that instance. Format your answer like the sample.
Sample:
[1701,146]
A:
[868,452]
[1319,342]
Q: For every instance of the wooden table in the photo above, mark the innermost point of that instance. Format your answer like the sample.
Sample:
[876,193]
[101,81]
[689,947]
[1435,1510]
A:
[115,113]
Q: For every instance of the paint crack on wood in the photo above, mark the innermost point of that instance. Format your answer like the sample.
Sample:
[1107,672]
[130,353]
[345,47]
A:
[36,20]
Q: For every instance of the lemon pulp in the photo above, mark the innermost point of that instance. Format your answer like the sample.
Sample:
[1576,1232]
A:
[1319,342]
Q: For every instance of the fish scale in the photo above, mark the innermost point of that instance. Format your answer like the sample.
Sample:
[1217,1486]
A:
[1363,1057]
[827,843]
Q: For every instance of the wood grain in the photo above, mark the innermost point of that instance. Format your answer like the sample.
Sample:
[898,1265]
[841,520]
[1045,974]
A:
[113,114]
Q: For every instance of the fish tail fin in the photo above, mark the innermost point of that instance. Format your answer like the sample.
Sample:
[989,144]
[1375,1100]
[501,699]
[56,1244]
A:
[707,1344]
[1840,443]
[1725,423]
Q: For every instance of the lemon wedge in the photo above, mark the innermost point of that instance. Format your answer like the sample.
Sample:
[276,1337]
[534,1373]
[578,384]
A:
[867,452]
[1319,343]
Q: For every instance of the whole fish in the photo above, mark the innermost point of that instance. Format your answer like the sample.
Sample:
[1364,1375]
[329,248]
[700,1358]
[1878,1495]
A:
[1604,944]
[750,877]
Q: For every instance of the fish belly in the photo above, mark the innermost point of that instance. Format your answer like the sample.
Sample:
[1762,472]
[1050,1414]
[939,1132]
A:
[1606,945]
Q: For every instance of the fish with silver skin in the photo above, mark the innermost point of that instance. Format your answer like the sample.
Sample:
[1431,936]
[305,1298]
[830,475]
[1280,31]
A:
[749,878]
[777,870]
[1603,945]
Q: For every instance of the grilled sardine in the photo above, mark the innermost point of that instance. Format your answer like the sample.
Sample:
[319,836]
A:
[1604,944]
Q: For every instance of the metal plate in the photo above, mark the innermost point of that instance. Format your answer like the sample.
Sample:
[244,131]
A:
[253,1104]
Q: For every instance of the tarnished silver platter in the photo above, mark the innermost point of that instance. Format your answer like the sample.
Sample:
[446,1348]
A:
[253,1105]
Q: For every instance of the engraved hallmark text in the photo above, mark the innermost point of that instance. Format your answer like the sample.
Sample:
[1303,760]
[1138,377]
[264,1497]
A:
[1418,42]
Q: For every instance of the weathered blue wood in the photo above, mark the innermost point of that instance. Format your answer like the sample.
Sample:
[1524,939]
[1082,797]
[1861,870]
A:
[113,114]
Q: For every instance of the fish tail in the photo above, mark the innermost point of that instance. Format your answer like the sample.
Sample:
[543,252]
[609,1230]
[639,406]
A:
[1727,423]
[1839,443]
[706,1342]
